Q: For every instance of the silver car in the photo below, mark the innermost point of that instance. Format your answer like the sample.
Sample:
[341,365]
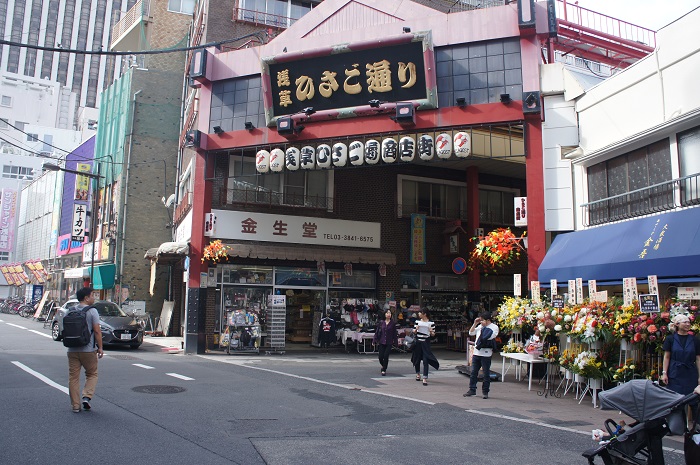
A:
[117,327]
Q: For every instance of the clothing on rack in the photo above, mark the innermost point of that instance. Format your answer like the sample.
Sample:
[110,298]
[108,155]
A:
[326,331]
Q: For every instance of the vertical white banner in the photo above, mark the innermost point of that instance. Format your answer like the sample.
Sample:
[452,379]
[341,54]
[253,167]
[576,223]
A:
[579,290]
[653,284]
[591,289]
[572,292]
[553,288]
[629,290]
[517,285]
[520,211]
[535,291]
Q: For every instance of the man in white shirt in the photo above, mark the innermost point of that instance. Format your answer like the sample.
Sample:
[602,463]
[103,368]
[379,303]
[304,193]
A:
[485,332]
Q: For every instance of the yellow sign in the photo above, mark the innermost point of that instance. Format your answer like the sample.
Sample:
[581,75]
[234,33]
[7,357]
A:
[82,183]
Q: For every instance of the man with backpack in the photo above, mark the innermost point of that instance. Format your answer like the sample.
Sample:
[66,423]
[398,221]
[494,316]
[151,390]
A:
[83,338]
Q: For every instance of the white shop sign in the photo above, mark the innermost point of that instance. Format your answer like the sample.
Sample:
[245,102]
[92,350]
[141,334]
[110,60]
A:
[689,293]
[517,285]
[250,226]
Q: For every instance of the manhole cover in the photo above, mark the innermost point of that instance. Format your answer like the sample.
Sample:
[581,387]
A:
[124,357]
[158,389]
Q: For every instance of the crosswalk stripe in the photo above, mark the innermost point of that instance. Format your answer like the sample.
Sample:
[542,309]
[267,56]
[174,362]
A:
[175,375]
[143,366]
[16,326]
[39,333]
[41,377]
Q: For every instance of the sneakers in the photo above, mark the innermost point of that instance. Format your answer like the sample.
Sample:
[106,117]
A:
[486,396]
[76,410]
[469,394]
[86,403]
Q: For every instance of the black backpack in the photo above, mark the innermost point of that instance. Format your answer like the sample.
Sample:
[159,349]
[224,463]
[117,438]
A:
[76,332]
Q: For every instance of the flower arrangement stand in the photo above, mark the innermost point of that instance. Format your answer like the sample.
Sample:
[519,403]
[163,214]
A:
[592,386]
[567,381]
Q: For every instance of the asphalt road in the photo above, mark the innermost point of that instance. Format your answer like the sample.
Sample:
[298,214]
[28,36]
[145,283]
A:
[157,408]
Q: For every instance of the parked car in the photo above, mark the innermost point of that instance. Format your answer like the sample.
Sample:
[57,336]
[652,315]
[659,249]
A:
[117,327]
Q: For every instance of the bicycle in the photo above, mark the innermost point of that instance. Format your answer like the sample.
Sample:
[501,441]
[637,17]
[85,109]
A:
[48,312]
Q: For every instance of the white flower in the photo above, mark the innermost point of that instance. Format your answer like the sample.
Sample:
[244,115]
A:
[557,328]
[567,318]
[540,315]
[554,312]
[541,328]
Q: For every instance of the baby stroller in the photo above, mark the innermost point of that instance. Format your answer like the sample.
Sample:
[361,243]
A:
[657,411]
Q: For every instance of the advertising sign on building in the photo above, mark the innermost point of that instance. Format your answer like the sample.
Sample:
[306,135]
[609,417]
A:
[8,206]
[79,222]
[417,239]
[520,211]
[82,183]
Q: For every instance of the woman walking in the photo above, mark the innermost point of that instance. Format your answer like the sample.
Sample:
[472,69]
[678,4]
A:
[384,339]
[424,330]
[681,364]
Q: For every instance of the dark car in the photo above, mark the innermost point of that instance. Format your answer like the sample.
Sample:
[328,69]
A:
[118,328]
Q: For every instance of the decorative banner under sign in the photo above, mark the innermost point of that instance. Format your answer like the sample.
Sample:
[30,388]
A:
[520,206]
[629,289]
[653,284]
[591,288]
[417,239]
[517,285]
[535,291]
[579,290]
[572,292]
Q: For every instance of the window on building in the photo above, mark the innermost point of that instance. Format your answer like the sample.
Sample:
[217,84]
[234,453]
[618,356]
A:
[6,101]
[496,206]
[48,141]
[689,153]
[32,137]
[182,6]
[20,125]
[4,256]
[279,13]
[298,188]
[3,123]
[15,172]
[631,185]
[432,197]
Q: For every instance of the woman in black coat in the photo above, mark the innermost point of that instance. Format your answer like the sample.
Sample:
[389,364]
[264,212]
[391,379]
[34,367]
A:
[384,339]
[423,331]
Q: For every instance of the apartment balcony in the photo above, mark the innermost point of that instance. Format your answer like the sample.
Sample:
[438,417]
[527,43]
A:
[131,32]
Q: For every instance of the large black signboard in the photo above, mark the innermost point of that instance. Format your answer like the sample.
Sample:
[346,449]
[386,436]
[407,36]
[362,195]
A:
[395,73]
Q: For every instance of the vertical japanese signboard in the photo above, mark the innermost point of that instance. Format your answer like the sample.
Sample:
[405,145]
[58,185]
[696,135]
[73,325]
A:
[82,183]
[520,211]
[592,288]
[553,287]
[579,290]
[8,206]
[79,218]
[517,285]
[417,239]
[653,284]
[572,292]
[535,291]
[629,290]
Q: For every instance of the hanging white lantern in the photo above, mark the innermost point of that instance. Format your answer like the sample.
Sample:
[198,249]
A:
[426,147]
[356,153]
[339,154]
[323,156]
[390,150]
[291,158]
[443,145]
[462,145]
[407,148]
[307,159]
[262,161]
[276,160]
[372,149]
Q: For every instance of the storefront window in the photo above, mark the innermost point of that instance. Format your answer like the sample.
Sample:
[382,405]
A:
[244,274]
[410,280]
[299,277]
[250,300]
[360,279]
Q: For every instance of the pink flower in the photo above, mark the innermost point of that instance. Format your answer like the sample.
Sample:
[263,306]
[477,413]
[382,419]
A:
[652,328]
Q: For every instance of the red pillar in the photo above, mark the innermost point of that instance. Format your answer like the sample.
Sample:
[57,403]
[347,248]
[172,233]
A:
[535,197]
[473,276]
[201,205]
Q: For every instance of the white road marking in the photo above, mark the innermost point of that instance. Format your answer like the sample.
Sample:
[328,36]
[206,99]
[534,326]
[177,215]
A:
[41,377]
[16,326]
[314,380]
[143,366]
[175,375]
[39,333]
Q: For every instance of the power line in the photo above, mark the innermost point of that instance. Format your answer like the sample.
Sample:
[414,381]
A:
[141,52]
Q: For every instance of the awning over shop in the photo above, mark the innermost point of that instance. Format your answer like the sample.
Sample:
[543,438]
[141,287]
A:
[103,276]
[666,245]
[312,254]
[168,250]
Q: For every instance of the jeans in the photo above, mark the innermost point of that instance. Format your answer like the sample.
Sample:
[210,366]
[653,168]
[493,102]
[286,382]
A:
[483,363]
[426,365]
[76,360]
[384,351]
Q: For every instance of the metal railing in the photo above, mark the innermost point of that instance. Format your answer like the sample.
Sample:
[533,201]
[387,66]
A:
[668,195]
[265,197]
[140,10]
[468,5]
[183,207]
[574,15]
[261,18]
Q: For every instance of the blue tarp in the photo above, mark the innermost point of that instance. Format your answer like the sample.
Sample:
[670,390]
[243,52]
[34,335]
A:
[666,245]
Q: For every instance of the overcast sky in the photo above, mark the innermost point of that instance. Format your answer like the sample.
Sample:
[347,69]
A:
[651,14]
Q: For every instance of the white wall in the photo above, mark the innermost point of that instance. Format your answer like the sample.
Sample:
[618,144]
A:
[36,217]
[37,101]
[652,92]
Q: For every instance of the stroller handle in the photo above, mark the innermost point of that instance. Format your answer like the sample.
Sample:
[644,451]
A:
[685,400]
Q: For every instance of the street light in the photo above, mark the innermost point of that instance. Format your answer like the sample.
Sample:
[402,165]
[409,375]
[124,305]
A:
[93,219]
